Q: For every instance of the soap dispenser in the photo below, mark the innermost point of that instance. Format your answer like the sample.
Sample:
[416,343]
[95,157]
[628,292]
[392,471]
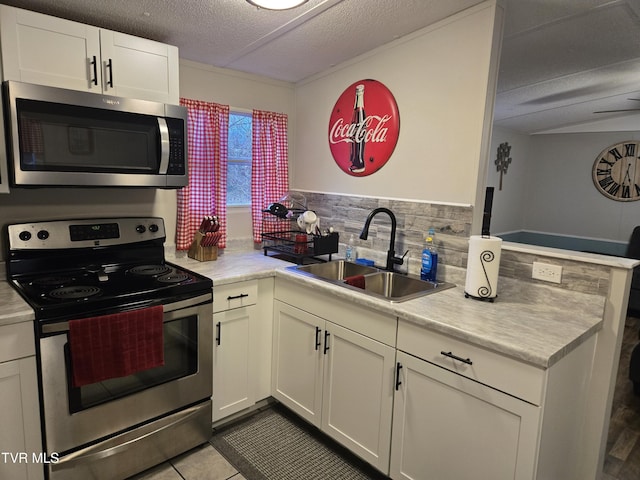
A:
[429,268]
[350,255]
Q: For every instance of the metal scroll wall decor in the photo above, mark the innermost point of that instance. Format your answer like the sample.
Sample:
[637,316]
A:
[504,160]
[364,128]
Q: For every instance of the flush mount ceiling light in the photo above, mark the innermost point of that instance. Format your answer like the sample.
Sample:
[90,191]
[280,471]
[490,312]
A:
[277,4]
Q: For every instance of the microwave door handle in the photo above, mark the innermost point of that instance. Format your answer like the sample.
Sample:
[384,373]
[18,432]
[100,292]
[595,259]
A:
[164,146]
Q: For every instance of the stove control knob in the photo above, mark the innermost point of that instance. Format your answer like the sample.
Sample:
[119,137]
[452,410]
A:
[24,235]
[43,234]
[141,229]
[153,228]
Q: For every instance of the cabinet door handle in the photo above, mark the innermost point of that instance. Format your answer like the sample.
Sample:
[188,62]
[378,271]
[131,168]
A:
[398,381]
[94,64]
[455,357]
[110,68]
[218,332]
[318,330]
[235,297]
[326,341]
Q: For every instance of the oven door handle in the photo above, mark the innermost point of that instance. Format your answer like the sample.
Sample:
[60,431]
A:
[62,327]
[97,452]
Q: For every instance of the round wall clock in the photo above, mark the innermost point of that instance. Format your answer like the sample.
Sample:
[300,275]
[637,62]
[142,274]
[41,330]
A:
[616,171]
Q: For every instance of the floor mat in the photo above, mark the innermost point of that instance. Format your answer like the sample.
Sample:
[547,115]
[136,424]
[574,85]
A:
[275,445]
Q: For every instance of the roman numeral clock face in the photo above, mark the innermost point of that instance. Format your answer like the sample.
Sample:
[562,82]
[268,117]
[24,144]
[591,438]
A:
[616,172]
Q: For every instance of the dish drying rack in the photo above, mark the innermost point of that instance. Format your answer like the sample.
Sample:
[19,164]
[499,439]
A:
[282,237]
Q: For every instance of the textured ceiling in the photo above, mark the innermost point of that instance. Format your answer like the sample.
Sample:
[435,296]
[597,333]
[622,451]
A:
[561,59]
[288,45]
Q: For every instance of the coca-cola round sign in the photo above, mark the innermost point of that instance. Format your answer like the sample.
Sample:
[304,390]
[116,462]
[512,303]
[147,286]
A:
[364,128]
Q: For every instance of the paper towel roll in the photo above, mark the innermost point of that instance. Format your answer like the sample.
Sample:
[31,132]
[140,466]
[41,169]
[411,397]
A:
[483,267]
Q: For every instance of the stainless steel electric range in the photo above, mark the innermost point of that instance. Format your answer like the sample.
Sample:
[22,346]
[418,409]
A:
[123,341]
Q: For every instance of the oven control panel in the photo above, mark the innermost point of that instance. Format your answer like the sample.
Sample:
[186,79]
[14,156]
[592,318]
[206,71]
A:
[82,233]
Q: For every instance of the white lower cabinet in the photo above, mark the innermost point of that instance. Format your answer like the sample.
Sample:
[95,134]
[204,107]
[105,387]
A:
[297,361]
[232,376]
[357,393]
[336,378]
[242,346]
[463,412]
[448,427]
[20,438]
[421,405]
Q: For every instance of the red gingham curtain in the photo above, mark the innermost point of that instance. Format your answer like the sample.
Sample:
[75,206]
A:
[269,169]
[206,194]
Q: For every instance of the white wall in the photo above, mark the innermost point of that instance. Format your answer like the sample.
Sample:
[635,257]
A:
[237,89]
[439,77]
[509,204]
[557,194]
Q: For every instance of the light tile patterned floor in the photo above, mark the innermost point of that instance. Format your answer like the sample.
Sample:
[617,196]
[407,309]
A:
[201,463]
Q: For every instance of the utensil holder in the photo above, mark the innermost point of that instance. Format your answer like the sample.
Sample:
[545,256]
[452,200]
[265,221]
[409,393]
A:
[325,244]
[202,254]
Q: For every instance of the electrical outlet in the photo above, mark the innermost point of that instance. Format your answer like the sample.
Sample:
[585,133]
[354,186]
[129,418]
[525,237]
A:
[547,272]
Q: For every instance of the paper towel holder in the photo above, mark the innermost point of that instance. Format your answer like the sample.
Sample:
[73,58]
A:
[486,290]
[483,268]
[482,299]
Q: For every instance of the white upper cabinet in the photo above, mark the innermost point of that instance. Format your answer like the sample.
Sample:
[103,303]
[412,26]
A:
[135,67]
[51,51]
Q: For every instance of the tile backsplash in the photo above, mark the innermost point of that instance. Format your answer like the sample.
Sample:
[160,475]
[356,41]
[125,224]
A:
[347,215]
[452,224]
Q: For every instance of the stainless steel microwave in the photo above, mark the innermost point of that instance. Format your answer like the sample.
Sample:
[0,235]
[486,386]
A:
[59,137]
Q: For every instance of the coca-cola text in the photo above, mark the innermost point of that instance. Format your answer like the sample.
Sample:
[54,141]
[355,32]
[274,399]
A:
[350,132]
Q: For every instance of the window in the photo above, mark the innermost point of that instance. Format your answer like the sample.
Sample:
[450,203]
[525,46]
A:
[239,163]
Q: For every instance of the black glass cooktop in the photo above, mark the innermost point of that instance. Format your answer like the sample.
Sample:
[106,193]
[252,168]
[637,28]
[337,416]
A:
[91,289]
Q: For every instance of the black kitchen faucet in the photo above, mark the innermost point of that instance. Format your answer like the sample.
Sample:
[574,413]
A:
[391,254]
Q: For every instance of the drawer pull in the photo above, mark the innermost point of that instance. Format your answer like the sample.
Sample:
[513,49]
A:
[455,357]
[94,64]
[235,297]
[110,67]
[398,381]
[326,342]
[318,330]
[218,333]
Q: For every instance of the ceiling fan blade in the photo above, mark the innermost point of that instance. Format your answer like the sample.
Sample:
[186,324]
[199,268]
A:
[616,111]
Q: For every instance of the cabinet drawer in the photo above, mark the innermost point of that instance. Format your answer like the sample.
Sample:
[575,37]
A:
[16,341]
[234,295]
[492,369]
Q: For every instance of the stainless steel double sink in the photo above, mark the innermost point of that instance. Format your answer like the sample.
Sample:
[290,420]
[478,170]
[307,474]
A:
[390,286]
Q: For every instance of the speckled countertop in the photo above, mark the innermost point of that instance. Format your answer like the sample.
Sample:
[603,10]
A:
[13,309]
[533,323]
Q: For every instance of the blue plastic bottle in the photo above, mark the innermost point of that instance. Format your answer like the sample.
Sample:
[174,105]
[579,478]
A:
[429,268]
